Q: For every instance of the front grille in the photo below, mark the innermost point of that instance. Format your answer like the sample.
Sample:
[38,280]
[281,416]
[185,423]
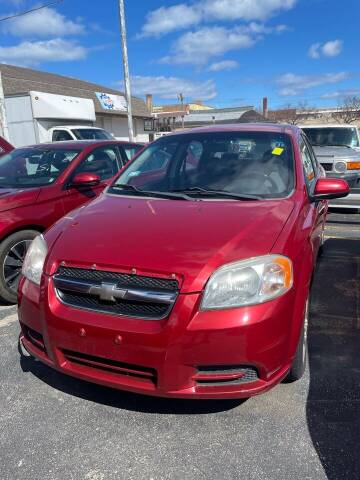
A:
[327,166]
[135,295]
[121,279]
[112,366]
[217,375]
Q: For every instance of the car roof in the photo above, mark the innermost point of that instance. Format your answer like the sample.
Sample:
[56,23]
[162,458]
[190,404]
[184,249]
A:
[78,126]
[329,125]
[76,144]
[242,127]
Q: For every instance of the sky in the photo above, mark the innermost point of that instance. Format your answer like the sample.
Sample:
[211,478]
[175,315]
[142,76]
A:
[224,52]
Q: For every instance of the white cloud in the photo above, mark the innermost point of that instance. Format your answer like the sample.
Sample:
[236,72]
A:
[170,87]
[342,93]
[292,85]
[33,53]
[244,9]
[197,47]
[46,22]
[226,65]
[332,48]
[184,15]
[168,19]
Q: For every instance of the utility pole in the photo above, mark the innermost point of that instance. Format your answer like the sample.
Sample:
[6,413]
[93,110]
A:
[3,122]
[126,69]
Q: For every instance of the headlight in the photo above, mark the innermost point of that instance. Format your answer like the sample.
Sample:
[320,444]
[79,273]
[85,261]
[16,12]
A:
[34,260]
[248,282]
[340,167]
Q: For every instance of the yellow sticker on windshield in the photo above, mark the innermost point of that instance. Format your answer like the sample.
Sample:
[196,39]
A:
[277,151]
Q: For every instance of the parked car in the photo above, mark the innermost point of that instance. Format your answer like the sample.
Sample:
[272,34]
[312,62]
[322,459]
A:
[337,148]
[190,275]
[5,146]
[39,184]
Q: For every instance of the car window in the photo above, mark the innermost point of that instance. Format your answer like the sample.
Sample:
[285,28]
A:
[309,170]
[332,136]
[103,162]
[29,167]
[91,134]
[314,160]
[259,163]
[131,150]
[193,155]
[155,161]
[61,135]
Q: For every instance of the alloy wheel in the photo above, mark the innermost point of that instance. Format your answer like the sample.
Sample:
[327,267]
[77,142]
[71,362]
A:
[13,263]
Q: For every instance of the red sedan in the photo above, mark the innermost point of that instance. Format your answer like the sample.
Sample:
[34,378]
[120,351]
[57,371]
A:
[39,184]
[189,277]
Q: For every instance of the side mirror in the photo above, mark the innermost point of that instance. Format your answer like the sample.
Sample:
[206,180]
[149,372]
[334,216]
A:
[328,188]
[85,179]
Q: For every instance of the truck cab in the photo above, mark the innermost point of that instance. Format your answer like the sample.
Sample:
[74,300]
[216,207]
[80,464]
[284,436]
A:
[337,148]
[77,132]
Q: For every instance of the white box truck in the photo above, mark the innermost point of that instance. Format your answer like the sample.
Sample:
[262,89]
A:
[40,117]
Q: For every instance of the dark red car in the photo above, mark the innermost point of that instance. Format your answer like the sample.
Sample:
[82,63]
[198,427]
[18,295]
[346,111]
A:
[190,275]
[39,184]
[5,146]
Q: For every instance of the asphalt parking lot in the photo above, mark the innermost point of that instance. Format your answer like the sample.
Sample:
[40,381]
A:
[56,427]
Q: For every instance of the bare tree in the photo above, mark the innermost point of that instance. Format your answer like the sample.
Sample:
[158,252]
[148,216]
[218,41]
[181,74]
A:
[292,114]
[349,110]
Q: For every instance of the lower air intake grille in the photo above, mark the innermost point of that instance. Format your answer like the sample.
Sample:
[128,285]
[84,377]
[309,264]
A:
[217,375]
[34,337]
[112,366]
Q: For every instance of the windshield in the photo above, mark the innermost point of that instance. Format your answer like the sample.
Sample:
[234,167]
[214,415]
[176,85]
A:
[34,167]
[131,150]
[330,136]
[91,134]
[240,163]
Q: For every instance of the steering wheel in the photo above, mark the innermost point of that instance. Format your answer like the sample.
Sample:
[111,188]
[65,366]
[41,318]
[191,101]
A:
[260,179]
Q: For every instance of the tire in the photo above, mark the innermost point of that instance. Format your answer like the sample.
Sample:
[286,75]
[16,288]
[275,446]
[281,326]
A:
[12,253]
[299,364]
[321,248]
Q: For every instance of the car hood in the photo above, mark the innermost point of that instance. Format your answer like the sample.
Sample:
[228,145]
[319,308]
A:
[164,237]
[334,154]
[17,197]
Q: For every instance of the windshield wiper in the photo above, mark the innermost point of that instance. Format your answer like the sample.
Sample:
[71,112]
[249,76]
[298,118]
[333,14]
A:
[148,193]
[330,145]
[218,193]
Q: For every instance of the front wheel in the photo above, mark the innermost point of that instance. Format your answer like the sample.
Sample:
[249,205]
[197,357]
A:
[12,253]
[299,364]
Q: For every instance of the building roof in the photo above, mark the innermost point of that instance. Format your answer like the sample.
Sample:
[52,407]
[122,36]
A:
[223,115]
[20,81]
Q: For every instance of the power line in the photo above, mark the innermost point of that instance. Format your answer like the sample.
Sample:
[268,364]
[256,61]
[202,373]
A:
[20,14]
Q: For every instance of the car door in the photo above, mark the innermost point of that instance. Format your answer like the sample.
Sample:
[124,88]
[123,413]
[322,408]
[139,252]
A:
[312,173]
[104,161]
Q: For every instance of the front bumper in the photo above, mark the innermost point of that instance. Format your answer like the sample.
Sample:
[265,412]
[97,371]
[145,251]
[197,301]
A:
[353,199]
[235,353]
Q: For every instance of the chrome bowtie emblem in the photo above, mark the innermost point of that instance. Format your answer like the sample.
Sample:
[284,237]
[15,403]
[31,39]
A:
[107,291]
